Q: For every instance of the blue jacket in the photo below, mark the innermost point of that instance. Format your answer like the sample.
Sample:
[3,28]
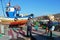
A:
[50,24]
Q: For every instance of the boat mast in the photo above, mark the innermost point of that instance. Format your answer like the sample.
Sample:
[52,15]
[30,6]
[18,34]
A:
[2,8]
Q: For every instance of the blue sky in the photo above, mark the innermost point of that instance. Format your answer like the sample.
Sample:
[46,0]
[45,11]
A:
[37,7]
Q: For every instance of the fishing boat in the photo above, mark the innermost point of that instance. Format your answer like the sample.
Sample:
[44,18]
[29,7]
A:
[12,12]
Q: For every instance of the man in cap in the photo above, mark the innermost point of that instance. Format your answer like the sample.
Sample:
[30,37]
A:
[29,26]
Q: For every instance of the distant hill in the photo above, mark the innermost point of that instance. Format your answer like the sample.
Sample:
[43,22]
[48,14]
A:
[57,16]
[45,17]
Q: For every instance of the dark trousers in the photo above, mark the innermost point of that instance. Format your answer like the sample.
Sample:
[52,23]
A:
[29,33]
[29,29]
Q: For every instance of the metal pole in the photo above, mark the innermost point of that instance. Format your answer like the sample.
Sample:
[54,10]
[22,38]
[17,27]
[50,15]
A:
[2,8]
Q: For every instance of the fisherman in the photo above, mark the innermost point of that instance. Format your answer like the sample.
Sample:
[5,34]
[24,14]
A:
[29,26]
[50,24]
